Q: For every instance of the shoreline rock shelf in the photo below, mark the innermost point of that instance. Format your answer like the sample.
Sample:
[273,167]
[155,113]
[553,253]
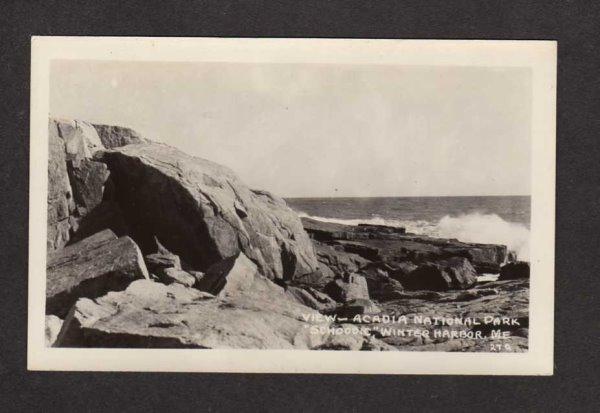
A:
[374,244]
[151,247]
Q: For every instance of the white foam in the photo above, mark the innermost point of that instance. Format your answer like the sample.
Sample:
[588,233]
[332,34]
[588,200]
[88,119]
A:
[487,277]
[487,229]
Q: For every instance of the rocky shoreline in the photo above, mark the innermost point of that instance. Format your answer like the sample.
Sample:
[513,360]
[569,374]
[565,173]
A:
[151,247]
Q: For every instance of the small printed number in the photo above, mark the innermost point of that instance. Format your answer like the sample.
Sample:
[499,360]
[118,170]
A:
[500,347]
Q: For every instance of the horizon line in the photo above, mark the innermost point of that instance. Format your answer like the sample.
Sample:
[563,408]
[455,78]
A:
[408,196]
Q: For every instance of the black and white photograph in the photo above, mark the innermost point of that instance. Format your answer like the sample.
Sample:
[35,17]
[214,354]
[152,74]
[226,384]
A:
[341,207]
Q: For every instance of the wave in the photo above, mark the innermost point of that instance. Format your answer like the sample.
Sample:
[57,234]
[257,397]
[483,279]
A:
[415,226]
[487,229]
[473,227]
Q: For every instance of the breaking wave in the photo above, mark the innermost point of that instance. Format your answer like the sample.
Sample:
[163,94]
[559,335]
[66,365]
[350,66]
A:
[474,227]
[487,229]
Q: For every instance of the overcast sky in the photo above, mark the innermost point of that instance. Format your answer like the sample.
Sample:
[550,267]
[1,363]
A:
[321,130]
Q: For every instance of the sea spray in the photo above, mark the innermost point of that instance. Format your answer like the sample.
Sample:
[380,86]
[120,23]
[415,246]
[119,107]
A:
[487,229]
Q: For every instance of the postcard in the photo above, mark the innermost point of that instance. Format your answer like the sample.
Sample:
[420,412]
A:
[292,205]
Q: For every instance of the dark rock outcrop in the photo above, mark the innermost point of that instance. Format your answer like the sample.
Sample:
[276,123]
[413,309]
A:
[91,268]
[202,212]
[87,180]
[443,275]
[514,271]
[381,286]
[107,215]
[78,205]
[401,269]
[329,231]
[394,247]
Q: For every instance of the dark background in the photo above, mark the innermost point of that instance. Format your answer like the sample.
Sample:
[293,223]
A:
[575,24]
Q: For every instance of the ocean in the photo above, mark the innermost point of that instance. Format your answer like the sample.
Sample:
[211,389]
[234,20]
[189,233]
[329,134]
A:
[486,219]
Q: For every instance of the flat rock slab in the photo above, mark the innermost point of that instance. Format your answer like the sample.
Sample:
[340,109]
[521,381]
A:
[91,268]
[175,275]
[149,314]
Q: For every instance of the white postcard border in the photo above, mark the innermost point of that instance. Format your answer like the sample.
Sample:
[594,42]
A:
[539,56]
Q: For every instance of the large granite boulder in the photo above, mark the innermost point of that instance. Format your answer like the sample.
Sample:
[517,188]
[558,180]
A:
[443,275]
[79,199]
[236,275]
[348,287]
[202,212]
[514,271]
[149,314]
[91,268]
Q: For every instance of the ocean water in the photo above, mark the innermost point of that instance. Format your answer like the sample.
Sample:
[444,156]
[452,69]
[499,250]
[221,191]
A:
[485,219]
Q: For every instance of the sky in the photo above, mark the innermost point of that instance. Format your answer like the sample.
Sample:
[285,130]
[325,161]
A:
[318,130]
